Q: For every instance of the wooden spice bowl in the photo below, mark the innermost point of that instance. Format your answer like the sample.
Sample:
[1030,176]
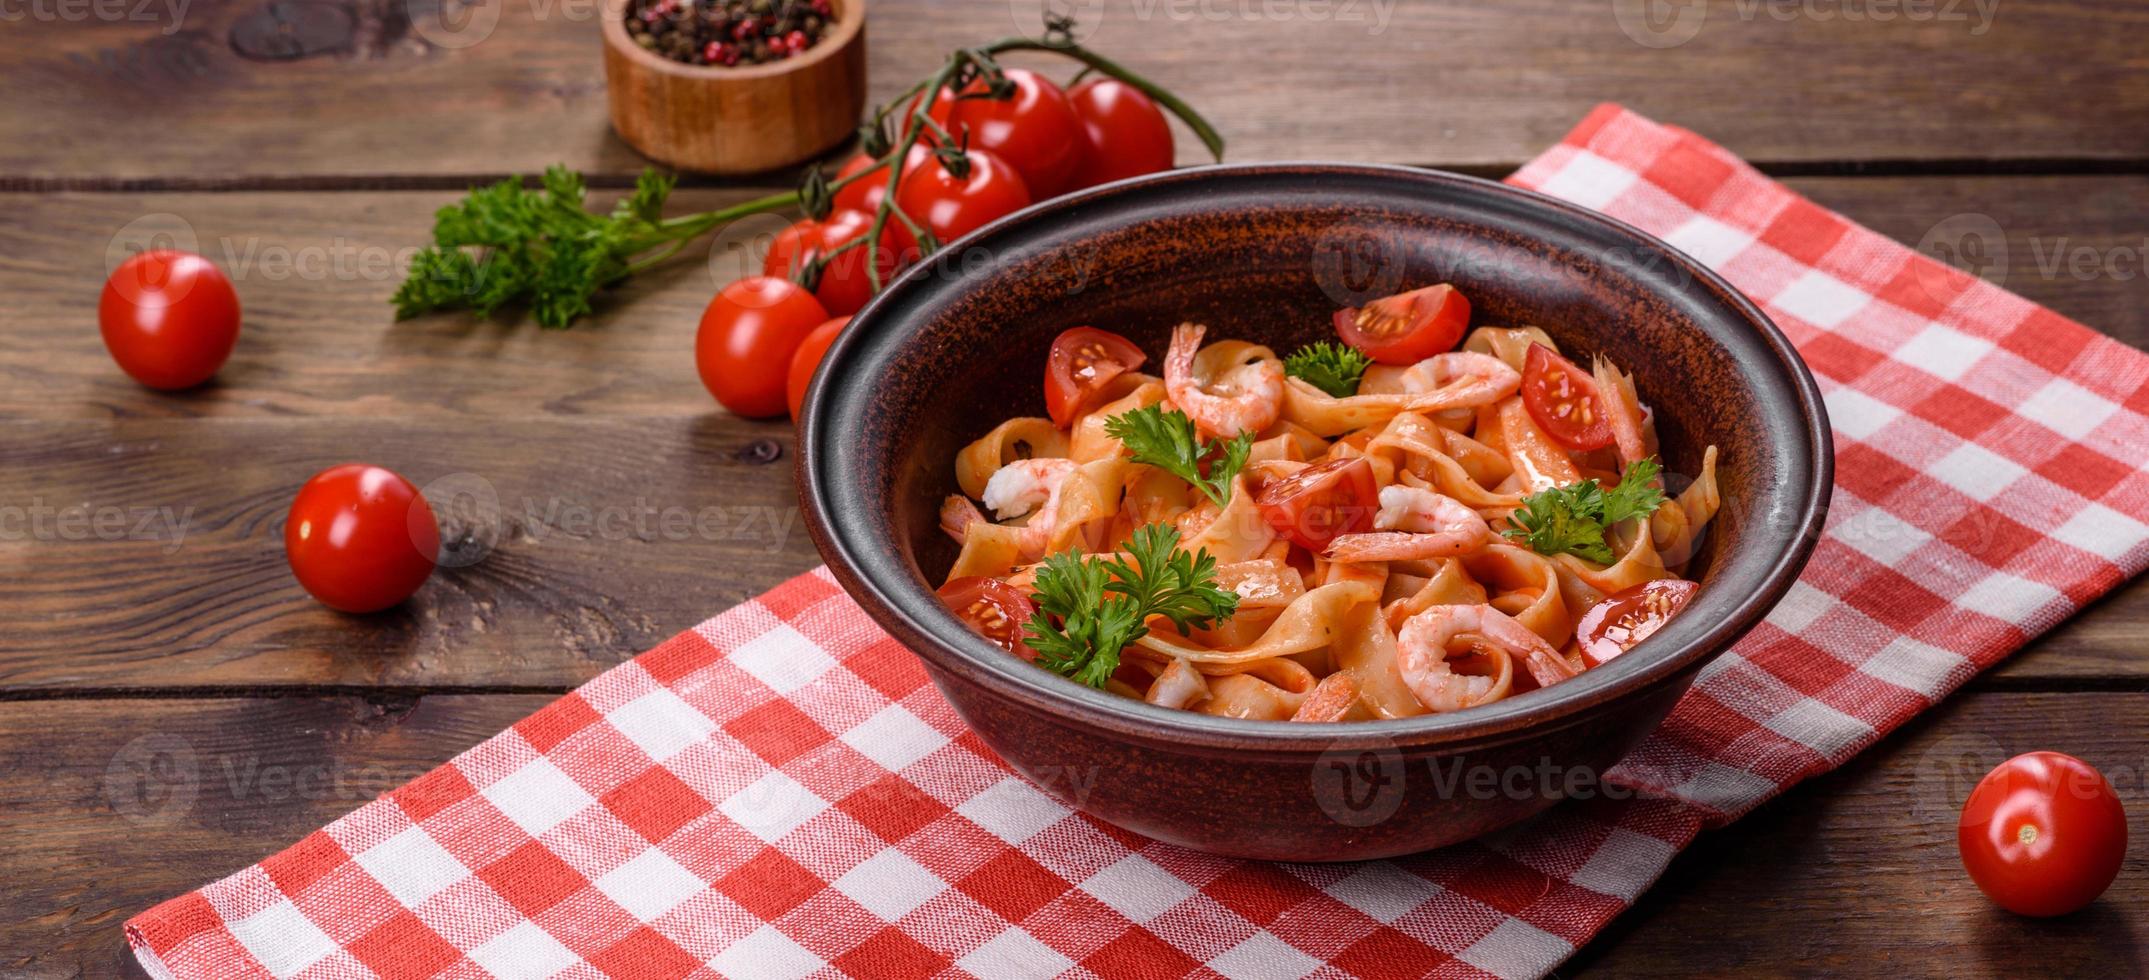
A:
[742,120]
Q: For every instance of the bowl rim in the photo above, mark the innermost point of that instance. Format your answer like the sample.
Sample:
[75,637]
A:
[850,23]
[974,660]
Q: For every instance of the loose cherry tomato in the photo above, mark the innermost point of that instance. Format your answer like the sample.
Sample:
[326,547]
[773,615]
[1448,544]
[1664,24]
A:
[360,538]
[748,334]
[950,206]
[1629,616]
[1408,327]
[1033,129]
[2043,834]
[1563,399]
[1316,504]
[845,285]
[1124,134]
[810,352]
[1082,362]
[170,318]
[866,193]
[995,609]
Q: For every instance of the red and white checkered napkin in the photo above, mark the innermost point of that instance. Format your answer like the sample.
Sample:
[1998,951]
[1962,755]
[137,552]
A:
[779,792]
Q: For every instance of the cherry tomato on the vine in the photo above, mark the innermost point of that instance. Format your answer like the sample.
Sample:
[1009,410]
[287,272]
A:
[808,357]
[1082,361]
[866,193]
[844,285]
[360,538]
[1033,129]
[748,334]
[995,609]
[2043,834]
[1563,399]
[1408,327]
[950,206]
[1124,134]
[169,318]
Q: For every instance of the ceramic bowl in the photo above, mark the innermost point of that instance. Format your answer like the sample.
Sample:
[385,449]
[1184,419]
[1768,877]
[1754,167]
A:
[1266,252]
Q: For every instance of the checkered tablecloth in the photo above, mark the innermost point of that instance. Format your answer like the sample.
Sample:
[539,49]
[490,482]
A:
[780,793]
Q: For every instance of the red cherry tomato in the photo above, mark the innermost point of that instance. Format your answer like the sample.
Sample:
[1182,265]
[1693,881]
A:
[1034,129]
[1563,399]
[950,206]
[866,193]
[2043,834]
[360,538]
[1082,362]
[1629,616]
[1124,134]
[844,286]
[995,609]
[810,352]
[169,318]
[1316,504]
[1408,327]
[748,334]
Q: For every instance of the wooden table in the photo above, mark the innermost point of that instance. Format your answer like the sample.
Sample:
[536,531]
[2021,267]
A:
[309,168]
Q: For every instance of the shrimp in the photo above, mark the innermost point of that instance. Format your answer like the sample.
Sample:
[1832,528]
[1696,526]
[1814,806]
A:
[957,513]
[1243,398]
[1415,523]
[1422,655]
[1621,409]
[1458,379]
[1029,486]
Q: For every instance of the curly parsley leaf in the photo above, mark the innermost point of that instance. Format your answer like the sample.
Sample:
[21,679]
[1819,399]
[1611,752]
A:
[1572,519]
[1168,441]
[1331,367]
[1090,609]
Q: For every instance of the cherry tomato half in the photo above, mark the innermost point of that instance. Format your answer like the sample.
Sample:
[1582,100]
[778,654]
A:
[803,363]
[1083,360]
[1316,504]
[866,193]
[950,206]
[2043,834]
[995,609]
[844,286]
[1124,134]
[169,318]
[1563,399]
[1033,129]
[748,334]
[360,538]
[1629,616]
[1408,327]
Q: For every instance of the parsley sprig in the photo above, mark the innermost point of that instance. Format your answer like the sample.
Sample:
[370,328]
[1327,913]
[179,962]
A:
[1091,608]
[1331,367]
[1572,519]
[1168,441]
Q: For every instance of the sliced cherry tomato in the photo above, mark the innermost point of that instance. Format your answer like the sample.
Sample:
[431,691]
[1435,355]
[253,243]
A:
[1629,616]
[994,609]
[803,363]
[1124,134]
[1408,327]
[1033,129]
[169,318]
[1082,362]
[844,286]
[1316,504]
[866,193]
[1563,399]
[748,334]
[950,206]
[360,538]
[2043,834]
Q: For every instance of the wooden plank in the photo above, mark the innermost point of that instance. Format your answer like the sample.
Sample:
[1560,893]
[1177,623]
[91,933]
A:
[1855,872]
[395,91]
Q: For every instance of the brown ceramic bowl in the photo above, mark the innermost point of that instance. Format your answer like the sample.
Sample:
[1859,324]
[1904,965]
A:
[1267,252]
